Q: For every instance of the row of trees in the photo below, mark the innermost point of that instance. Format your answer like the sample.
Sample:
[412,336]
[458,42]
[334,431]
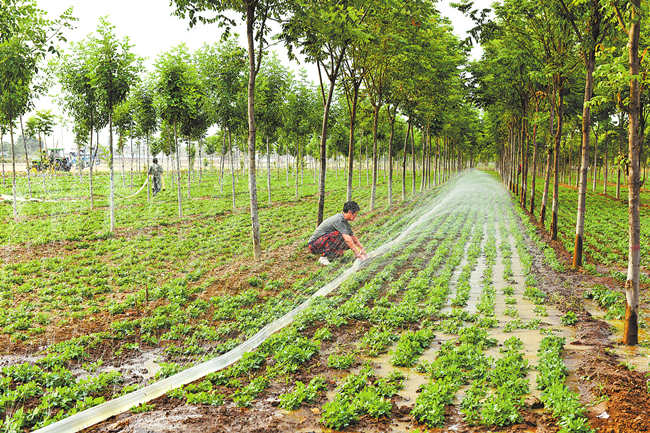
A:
[549,66]
[398,61]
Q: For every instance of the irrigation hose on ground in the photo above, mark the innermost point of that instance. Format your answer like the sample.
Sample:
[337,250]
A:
[97,414]
[135,193]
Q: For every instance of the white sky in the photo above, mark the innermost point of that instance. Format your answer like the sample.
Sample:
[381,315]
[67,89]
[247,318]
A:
[153,29]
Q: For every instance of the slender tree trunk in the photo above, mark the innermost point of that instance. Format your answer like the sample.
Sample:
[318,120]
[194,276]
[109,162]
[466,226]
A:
[631,328]
[178,172]
[534,171]
[375,161]
[297,193]
[223,157]
[286,168]
[584,162]
[189,170]
[524,161]
[549,151]
[110,165]
[367,161]
[268,170]
[413,159]
[2,153]
[556,183]
[232,168]
[29,180]
[252,179]
[390,156]
[618,174]
[79,161]
[406,140]
[360,166]
[594,175]
[423,169]
[123,169]
[92,163]
[353,117]
[199,144]
[13,172]
[605,161]
[130,165]
[148,183]
[323,140]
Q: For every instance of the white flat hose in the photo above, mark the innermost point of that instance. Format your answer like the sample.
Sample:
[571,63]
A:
[135,193]
[97,414]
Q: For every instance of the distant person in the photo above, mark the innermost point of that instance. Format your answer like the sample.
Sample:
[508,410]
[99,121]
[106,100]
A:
[156,172]
[334,235]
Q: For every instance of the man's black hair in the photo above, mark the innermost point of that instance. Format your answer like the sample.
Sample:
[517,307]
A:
[155,160]
[351,206]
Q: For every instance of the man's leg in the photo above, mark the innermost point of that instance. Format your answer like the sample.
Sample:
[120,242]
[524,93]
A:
[335,246]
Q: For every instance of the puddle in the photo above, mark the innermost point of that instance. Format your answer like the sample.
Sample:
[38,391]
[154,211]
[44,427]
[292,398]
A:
[635,357]
[8,360]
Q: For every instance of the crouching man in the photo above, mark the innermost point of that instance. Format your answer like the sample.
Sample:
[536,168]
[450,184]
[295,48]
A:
[334,235]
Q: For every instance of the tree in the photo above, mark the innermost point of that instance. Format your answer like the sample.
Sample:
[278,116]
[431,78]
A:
[16,72]
[271,97]
[113,72]
[80,98]
[323,31]
[123,121]
[589,37]
[255,13]
[26,38]
[146,119]
[176,93]
[222,73]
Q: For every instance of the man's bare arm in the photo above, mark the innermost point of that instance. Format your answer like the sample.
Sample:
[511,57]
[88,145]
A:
[352,242]
[354,245]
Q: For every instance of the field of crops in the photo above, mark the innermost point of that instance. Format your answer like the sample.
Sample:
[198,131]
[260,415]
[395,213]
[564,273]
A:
[452,327]
[606,222]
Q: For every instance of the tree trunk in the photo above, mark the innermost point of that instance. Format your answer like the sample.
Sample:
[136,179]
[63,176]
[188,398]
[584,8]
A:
[406,140]
[2,155]
[29,180]
[130,165]
[413,159]
[199,144]
[556,180]
[524,161]
[123,169]
[148,183]
[618,173]
[92,163]
[605,161]
[189,170]
[595,170]
[584,162]
[252,175]
[297,193]
[390,157]
[631,328]
[423,170]
[268,170]
[534,171]
[547,175]
[13,172]
[323,141]
[111,168]
[178,172]
[232,168]
[353,118]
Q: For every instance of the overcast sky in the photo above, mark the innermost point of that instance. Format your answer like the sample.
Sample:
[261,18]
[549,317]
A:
[153,29]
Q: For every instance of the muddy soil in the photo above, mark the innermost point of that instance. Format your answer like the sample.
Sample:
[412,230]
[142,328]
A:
[615,398]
